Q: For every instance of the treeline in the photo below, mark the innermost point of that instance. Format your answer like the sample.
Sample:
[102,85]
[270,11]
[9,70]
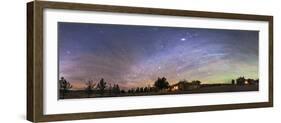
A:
[243,81]
[90,88]
[103,88]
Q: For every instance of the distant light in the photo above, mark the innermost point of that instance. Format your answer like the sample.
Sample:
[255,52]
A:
[175,88]
[183,39]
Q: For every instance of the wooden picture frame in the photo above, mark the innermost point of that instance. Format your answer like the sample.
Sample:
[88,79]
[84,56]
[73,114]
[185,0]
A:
[35,46]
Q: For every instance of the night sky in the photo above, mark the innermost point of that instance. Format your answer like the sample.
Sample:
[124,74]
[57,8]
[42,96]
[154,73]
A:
[134,56]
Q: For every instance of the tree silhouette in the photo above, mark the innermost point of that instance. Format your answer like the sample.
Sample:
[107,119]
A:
[233,82]
[196,82]
[137,90]
[116,89]
[130,91]
[101,86]
[141,90]
[145,89]
[64,86]
[257,81]
[110,88]
[150,89]
[240,81]
[161,83]
[133,90]
[90,85]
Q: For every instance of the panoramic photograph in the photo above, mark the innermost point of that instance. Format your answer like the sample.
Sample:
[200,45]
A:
[110,60]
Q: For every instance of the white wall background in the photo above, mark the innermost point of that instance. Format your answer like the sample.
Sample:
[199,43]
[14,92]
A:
[13,61]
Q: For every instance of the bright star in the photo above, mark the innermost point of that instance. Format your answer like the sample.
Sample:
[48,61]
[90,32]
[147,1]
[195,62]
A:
[183,39]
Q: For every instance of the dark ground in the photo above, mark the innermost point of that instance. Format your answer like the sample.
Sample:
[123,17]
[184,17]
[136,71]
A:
[206,89]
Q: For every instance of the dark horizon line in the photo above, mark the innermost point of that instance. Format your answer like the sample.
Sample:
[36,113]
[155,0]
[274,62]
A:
[201,83]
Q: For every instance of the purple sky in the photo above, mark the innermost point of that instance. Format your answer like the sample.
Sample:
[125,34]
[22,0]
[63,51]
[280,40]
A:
[137,55]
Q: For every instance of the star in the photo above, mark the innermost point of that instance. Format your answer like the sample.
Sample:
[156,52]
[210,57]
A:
[183,39]
[159,67]
[121,56]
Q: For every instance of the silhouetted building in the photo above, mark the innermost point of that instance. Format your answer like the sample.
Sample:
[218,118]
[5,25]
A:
[243,81]
[252,81]
[184,85]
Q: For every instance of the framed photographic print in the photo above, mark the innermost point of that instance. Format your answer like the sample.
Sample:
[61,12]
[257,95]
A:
[90,61]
